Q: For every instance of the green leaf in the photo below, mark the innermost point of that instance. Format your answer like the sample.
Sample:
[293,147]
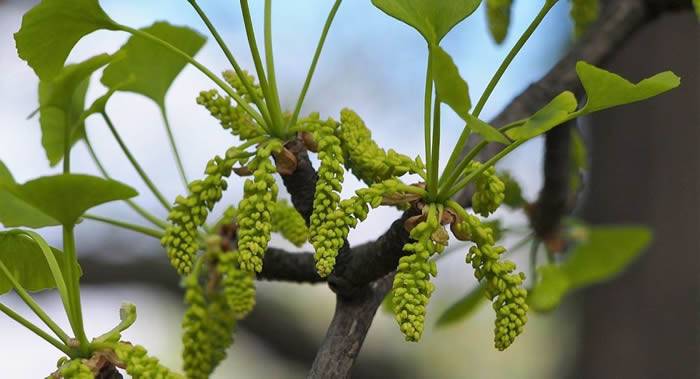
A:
[498,17]
[584,13]
[66,197]
[605,89]
[553,114]
[26,262]
[463,308]
[52,28]
[486,131]
[62,101]
[148,68]
[433,19]
[553,284]
[15,212]
[605,253]
[451,89]
[578,159]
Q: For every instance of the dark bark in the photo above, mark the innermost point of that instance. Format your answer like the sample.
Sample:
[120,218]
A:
[347,331]
[646,170]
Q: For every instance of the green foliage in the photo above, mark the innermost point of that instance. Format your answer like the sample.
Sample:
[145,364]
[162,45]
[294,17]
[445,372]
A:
[367,161]
[603,90]
[26,262]
[412,287]
[140,365]
[696,5]
[66,197]
[255,210]
[16,212]
[584,13]
[52,28]
[449,85]
[327,197]
[148,68]
[606,90]
[287,221]
[551,115]
[513,193]
[61,105]
[463,308]
[433,19]
[604,254]
[498,17]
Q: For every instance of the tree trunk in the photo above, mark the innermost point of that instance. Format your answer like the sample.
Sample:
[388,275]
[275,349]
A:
[646,170]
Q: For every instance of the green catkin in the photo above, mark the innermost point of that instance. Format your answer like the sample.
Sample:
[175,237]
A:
[238,287]
[289,223]
[331,234]
[235,81]
[221,324]
[412,287]
[503,287]
[255,210]
[327,196]
[498,16]
[232,118]
[489,192]
[141,366]
[227,218]
[584,13]
[197,350]
[76,369]
[181,239]
[367,161]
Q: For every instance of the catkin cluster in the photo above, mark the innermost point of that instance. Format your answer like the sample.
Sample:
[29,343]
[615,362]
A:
[498,15]
[331,234]
[289,223]
[489,192]
[412,287]
[255,210]
[367,161]
[327,196]
[141,366]
[503,287]
[208,326]
[232,117]
[584,13]
[238,287]
[75,369]
[181,239]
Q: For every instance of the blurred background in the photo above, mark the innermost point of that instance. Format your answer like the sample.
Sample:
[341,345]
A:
[645,167]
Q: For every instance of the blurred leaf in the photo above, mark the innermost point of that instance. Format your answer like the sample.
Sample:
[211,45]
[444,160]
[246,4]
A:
[498,17]
[605,253]
[62,101]
[513,192]
[553,284]
[14,211]
[51,29]
[605,89]
[584,13]
[433,19]
[149,69]
[66,197]
[26,262]
[463,308]
[553,114]
[696,5]
[451,89]
[578,159]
